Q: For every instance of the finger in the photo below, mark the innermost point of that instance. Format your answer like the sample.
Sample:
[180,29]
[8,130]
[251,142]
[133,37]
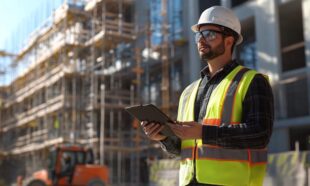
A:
[148,128]
[149,125]
[145,123]
[154,128]
[156,131]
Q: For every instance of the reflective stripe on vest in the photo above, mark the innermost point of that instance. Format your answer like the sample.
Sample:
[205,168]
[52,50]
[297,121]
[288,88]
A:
[230,97]
[216,165]
[208,152]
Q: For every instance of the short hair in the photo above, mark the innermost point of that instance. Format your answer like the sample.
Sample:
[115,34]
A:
[230,32]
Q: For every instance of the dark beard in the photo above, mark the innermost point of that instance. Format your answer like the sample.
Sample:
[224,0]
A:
[213,53]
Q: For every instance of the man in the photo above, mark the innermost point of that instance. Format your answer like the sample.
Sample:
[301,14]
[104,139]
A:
[225,118]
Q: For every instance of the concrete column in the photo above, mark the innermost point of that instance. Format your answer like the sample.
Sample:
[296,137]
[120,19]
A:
[268,45]
[305,5]
[191,61]
[226,3]
[279,141]
[306,24]
[268,39]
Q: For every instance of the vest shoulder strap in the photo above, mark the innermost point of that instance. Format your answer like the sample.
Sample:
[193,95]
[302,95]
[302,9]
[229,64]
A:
[230,97]
[185,97]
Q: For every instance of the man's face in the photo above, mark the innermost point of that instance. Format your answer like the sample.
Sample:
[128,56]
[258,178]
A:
[210,42]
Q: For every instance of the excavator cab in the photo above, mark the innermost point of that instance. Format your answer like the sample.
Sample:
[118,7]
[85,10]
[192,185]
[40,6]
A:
[71,165]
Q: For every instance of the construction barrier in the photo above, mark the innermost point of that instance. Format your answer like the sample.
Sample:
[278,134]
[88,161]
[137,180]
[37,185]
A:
[164,172]
[288,168]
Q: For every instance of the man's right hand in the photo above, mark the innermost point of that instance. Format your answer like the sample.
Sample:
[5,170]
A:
[152,130]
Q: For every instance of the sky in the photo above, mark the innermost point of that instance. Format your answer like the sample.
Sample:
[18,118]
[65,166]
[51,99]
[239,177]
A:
[19,17]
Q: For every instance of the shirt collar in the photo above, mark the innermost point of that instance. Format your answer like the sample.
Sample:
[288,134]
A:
[206,71]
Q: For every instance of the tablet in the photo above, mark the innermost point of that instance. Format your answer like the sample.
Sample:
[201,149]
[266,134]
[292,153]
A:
[151,113]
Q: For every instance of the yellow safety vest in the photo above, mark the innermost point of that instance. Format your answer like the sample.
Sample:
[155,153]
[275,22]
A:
[214,164]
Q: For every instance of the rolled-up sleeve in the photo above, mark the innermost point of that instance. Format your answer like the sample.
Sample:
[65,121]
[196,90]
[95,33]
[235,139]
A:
[172,145]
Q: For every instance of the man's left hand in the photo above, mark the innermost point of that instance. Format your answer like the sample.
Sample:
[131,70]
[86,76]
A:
[187,130]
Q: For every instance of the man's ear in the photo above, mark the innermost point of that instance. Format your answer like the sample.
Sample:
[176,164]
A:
[229,41]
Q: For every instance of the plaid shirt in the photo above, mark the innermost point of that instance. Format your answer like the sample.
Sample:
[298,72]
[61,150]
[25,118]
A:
[257,117]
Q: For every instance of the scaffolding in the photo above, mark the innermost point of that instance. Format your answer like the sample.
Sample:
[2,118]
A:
[83,66]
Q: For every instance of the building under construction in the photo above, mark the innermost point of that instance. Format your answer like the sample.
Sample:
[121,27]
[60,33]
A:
[80,69]
[92,58]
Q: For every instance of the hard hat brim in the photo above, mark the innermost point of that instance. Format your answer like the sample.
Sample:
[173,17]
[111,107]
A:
[240,39]
[195,27]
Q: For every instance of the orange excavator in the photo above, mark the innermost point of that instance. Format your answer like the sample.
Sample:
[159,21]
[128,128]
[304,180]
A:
[71,165]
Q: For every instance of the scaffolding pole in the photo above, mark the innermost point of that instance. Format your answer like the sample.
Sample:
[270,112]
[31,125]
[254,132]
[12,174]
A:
[165,60]
[102,118]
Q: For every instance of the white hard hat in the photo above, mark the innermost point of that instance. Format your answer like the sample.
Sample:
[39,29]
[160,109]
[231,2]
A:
[222,16]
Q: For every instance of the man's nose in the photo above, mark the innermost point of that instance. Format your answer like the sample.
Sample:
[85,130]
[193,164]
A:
[202,41]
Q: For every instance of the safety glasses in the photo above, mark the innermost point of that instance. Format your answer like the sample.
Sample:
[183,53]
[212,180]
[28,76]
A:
[208,35]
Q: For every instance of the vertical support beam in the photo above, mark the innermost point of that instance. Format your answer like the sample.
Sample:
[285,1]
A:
[279,141]
[131,135]
[131,164]
[66,122]
[148,47]
[102,86]
[102,118]
[268,56]
[112,81]
[103,17]
[65,61]
[191,62]
[137,157]
[111,166]
[226,3]
[120,17]
[92,96]
[305,5]
[132,95]
[63,122]
[94,102]
[138,70]
[118,153]
[111,143]
[119,167]
[33,160]
[269,59]
[73,134]
[165,60]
